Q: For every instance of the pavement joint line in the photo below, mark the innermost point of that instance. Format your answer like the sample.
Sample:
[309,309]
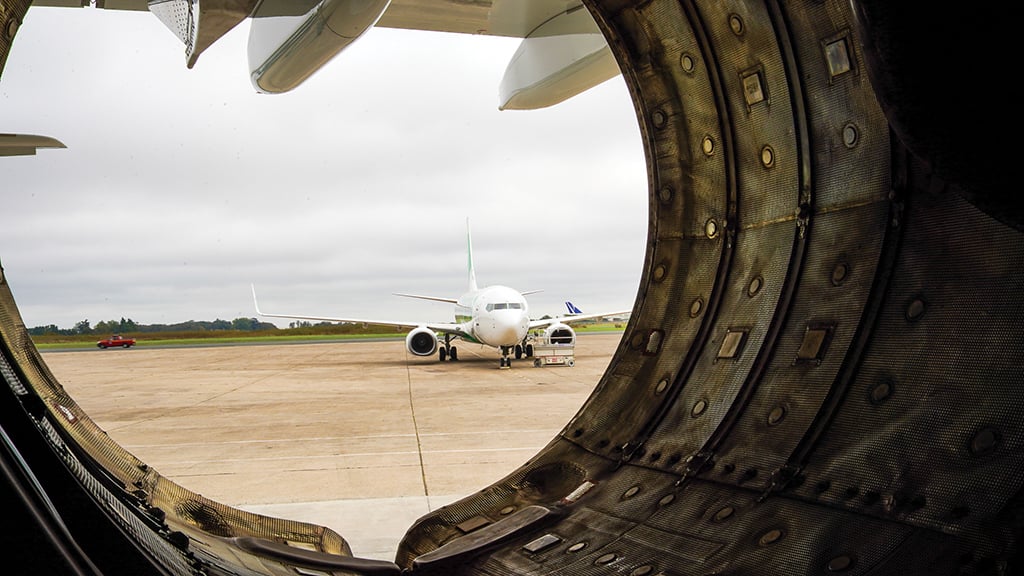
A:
[354,455]
[343,438]
[415,426]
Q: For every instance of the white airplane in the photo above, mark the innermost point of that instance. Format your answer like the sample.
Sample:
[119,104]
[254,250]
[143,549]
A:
[496,316]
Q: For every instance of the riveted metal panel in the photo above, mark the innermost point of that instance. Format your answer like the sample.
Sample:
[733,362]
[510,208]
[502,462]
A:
[753,295]
[930,431]
[789,397]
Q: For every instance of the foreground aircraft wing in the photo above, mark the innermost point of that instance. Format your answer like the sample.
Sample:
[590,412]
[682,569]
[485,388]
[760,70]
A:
[562,54]
[443,327]
[574,318]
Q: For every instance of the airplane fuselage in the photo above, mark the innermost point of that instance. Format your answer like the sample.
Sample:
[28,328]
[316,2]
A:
[496,315]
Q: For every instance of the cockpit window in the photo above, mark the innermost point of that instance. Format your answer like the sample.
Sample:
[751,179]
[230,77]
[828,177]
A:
[504,305]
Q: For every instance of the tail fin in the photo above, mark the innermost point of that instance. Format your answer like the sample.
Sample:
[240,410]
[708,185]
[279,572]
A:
[572,308]
[469,258]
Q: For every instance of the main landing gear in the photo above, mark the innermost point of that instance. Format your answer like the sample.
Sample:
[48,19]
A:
[524,349]
[447,351]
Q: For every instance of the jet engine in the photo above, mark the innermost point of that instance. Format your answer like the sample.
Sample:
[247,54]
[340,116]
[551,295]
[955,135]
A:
[559,334]
[422,341]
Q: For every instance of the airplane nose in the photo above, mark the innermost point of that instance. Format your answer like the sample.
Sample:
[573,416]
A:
[504,329]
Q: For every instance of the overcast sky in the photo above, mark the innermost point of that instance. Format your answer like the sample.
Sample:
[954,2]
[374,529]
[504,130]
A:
[179,188]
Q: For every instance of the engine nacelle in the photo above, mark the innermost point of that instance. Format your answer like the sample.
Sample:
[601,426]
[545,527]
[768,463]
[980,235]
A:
[422,341]
[559,334]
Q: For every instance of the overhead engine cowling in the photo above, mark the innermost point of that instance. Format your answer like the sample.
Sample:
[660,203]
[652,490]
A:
[559,334]
[422,341]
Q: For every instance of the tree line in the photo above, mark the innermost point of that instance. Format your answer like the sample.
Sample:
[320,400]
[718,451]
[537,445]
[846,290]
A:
[127,325]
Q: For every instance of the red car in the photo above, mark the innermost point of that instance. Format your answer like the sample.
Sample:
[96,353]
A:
[116,341]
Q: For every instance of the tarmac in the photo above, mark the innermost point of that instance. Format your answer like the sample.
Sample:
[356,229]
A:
[361,437]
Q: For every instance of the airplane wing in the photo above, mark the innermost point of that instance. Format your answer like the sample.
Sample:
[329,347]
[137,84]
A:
[563,53]
[574,318]
[434,298]
[443,327]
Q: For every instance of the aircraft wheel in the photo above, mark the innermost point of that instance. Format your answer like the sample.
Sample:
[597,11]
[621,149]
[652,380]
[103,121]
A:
[453,354]
[441,353]
[529,350]
[519,351]
[570,363]
[537,363]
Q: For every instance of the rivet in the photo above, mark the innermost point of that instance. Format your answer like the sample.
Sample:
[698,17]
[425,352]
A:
[736,24]
[699,408]
[507,510]
[881,392]
[770,537]
[839,273]
[666,500]
[665,194]
[661,386]
[755,286]
[767,157]
[655,456]
[822,487]
[915,309]
[631,492]
[728,468]
[840,563]
[577,433]
[852,491]
[724,513]
[850,135]
[12,28]
[576,547]
[687,63]
[659,272]
[748,474]
[696,307]
[606,559]
[776,415]
[637,340]
[985,441]
[642,570]
[659,119]
[711,228]
[708,146]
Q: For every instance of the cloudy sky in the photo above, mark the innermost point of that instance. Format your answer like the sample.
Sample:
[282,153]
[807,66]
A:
[179,188]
